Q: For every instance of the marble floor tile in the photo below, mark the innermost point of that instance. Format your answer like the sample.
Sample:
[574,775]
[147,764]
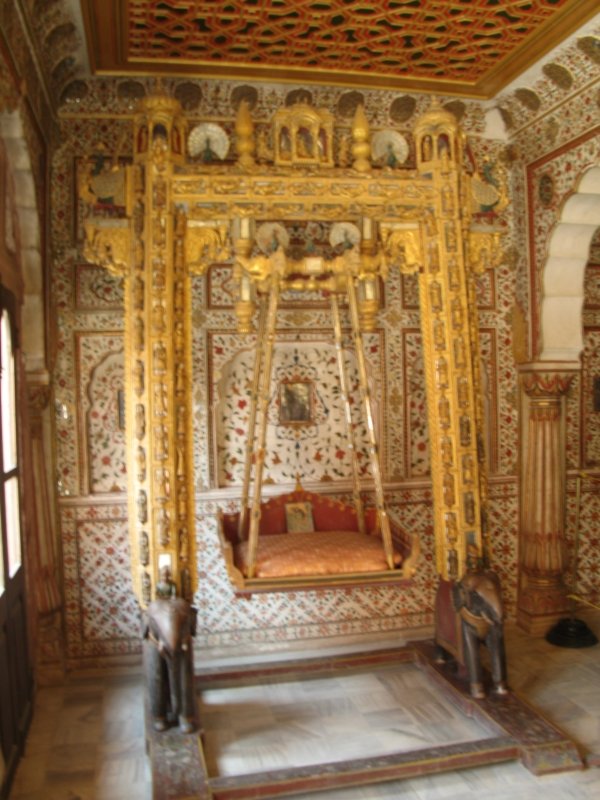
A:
[87,737]
[294,726]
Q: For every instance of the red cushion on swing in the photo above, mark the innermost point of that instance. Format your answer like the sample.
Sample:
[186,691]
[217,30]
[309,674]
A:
[332,515]
[316,553]
[272,518]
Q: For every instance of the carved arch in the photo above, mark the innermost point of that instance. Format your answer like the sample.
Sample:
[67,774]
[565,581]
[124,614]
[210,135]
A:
[563,273]
[31,290]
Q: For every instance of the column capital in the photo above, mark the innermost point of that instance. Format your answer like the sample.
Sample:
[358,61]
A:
[38,392]
[548,378]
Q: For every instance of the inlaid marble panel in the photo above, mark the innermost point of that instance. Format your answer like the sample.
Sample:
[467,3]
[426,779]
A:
[102,614]
[590,398]
[97,289]
[314,447]
[102,413]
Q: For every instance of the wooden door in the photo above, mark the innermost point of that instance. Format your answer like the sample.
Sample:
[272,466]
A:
[16,676]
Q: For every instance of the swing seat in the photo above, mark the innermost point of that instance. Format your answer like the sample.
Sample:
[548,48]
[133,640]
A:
[317,553]
[308,538]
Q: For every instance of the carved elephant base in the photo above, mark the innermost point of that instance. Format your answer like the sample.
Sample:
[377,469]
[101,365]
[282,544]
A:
[168,628]
[468,614]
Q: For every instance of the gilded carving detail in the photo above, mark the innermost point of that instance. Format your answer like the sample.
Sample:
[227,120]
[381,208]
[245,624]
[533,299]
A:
[108,247]
[214,197]
[303,136]
[361,146]
[205,245]
[140,421]
[141,464]
[447,320]
[144,549]
[244,128]
[403,248]
[483,250]
[185,220]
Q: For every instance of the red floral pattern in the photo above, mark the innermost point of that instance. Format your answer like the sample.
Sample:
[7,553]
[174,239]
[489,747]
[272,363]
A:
[97,289]
[103,418]
[83,327]
[102,614]
[314,451]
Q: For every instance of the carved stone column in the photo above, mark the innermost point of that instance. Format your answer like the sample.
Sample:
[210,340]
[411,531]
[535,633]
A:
[542,552]
[47,610]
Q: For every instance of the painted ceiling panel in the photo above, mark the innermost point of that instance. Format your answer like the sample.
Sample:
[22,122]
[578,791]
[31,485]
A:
[469,47]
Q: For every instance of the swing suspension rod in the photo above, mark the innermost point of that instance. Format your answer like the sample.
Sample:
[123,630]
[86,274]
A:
[263,403]
[256,386]
[384,521]
[337,328]
[255,445]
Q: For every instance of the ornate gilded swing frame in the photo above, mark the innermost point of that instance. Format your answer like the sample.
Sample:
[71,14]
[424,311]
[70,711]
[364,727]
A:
[182,217]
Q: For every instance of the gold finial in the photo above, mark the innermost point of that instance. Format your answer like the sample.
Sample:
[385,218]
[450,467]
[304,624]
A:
[361,147]
[244,128]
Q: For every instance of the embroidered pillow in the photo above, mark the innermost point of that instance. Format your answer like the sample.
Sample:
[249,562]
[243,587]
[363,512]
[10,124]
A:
[299,518]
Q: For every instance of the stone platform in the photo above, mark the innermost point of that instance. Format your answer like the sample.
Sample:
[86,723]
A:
[503,728]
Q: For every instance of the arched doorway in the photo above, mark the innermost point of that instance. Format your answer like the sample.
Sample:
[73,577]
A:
[545,384]
[562,302]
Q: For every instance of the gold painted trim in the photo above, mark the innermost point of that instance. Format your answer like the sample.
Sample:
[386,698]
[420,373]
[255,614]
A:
[105,23]
[181,220]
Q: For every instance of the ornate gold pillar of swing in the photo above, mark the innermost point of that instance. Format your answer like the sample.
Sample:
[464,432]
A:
[542,595]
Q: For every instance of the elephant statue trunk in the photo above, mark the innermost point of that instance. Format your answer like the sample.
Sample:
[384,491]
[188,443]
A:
[174,683]
[168,628]
[469,613]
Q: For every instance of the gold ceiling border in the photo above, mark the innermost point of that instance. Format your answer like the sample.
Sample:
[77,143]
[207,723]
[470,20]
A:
[106,27]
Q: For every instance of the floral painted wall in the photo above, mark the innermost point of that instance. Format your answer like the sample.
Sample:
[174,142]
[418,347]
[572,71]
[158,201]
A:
[318,455]
[555,138]
[90,448]
[102,618]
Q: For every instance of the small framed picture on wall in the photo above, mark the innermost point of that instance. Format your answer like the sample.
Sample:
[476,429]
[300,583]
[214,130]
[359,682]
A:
[295,402]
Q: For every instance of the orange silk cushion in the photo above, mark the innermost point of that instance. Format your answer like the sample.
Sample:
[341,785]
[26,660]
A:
[330,553]
[328,515]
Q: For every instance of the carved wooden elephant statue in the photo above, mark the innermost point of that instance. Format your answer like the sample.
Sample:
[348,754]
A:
[468,613]
[168,628]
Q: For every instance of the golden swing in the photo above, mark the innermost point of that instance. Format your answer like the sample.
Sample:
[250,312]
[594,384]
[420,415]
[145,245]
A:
[302,539]
[182,217]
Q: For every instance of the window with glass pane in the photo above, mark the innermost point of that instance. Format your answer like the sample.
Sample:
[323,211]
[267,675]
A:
[12,557]
[1,564]
[13,524]
[7,398]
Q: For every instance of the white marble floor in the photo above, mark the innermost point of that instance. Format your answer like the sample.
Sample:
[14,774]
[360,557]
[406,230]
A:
[86,740]
[337,718]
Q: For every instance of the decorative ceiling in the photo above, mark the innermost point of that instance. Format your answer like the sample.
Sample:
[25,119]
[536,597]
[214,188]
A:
[471,48]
